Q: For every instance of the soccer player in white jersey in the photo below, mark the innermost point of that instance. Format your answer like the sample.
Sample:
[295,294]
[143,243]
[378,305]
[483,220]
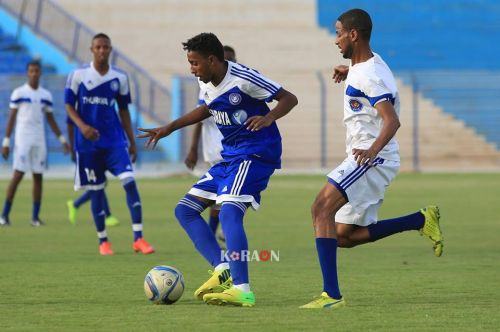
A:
[93,95]
[29,104]
[236,97]
[345,210]
[211,139]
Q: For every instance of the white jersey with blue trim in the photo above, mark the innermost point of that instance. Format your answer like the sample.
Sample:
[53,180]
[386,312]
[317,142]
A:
[369,83]
[31,107]
[96,98]
[244,93]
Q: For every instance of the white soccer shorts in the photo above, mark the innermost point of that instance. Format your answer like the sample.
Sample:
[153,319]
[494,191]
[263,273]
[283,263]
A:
[364,187]
[30,157]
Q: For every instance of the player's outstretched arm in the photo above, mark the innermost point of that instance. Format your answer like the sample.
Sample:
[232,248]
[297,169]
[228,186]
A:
[55,128]
[286,101]
[87,131]
[340,73]
[390,126]
[8,131]
[153,135]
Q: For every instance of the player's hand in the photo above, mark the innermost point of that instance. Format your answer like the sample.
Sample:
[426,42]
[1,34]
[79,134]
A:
[5,152]
[90,133]
[66,148]
[191,159]
[132,151]
[340,73]
[258,122]
[363,157]
[153,135]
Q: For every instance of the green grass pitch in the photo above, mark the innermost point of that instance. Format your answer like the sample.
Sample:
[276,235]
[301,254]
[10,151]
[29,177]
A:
[53,279]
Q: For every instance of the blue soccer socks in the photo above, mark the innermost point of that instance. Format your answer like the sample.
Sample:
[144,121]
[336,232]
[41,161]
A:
[384,228]
[188,212]
[231,216]
[135,208]
[97,207]
[327,254]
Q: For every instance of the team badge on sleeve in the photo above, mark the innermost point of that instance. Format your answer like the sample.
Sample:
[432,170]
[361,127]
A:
[355,105]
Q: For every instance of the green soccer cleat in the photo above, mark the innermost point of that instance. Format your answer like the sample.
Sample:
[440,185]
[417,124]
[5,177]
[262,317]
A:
[111,221]
[431,228]
[324,301]
[217,283]
[231,296]
[72,210]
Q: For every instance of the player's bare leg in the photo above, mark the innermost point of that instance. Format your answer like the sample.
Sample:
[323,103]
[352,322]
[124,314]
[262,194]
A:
[14,182]
[17,176]
[37,199]
[327,203]
[349,236]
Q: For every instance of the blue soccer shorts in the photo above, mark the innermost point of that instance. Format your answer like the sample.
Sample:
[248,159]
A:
[91,167]
[240,180]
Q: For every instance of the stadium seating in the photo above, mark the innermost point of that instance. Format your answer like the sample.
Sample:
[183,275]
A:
[443,45]
[280,38]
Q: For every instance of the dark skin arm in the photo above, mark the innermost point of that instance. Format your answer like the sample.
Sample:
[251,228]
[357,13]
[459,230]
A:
[390,126]
[87,131]
[192,157]
[55,128]
[127,126]
[153,135]
[8,131]
[71,138]
[286,101]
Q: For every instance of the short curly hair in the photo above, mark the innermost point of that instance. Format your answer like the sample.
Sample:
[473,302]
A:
[206,44]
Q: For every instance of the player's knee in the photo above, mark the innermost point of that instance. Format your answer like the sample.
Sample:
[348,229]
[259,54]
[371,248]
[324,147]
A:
[127,180]
[344,242]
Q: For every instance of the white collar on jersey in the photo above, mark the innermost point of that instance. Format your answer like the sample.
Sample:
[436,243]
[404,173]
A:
[28,86]
[228,73]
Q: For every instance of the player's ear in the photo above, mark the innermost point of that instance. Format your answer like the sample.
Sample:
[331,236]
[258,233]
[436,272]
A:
[354,35]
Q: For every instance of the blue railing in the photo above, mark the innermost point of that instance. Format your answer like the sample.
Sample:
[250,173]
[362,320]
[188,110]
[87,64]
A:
[72,37]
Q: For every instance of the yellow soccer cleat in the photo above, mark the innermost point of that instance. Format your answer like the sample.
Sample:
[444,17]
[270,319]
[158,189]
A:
[72,210]
[326,302]
[231,296]
[431,228]
[111,221]
[217,283]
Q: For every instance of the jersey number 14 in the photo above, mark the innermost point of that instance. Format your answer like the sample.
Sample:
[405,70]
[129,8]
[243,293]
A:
[90,175]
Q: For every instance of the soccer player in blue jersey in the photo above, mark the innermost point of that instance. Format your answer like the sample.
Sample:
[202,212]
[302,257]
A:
[74,205]
[236,97]
[345,210]
[211,138]
[92,95]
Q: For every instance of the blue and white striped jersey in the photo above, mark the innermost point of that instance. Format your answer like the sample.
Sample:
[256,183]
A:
[96,98]
[244,93]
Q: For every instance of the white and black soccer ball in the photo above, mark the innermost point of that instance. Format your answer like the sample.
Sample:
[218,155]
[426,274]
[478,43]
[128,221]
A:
[164,284]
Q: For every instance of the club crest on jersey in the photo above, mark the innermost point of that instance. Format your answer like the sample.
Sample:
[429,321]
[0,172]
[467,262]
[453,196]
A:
[240,116]
[114,86]
[235,98]
[355,105]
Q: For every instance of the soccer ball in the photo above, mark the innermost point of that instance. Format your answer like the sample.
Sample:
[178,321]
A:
[164,284]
